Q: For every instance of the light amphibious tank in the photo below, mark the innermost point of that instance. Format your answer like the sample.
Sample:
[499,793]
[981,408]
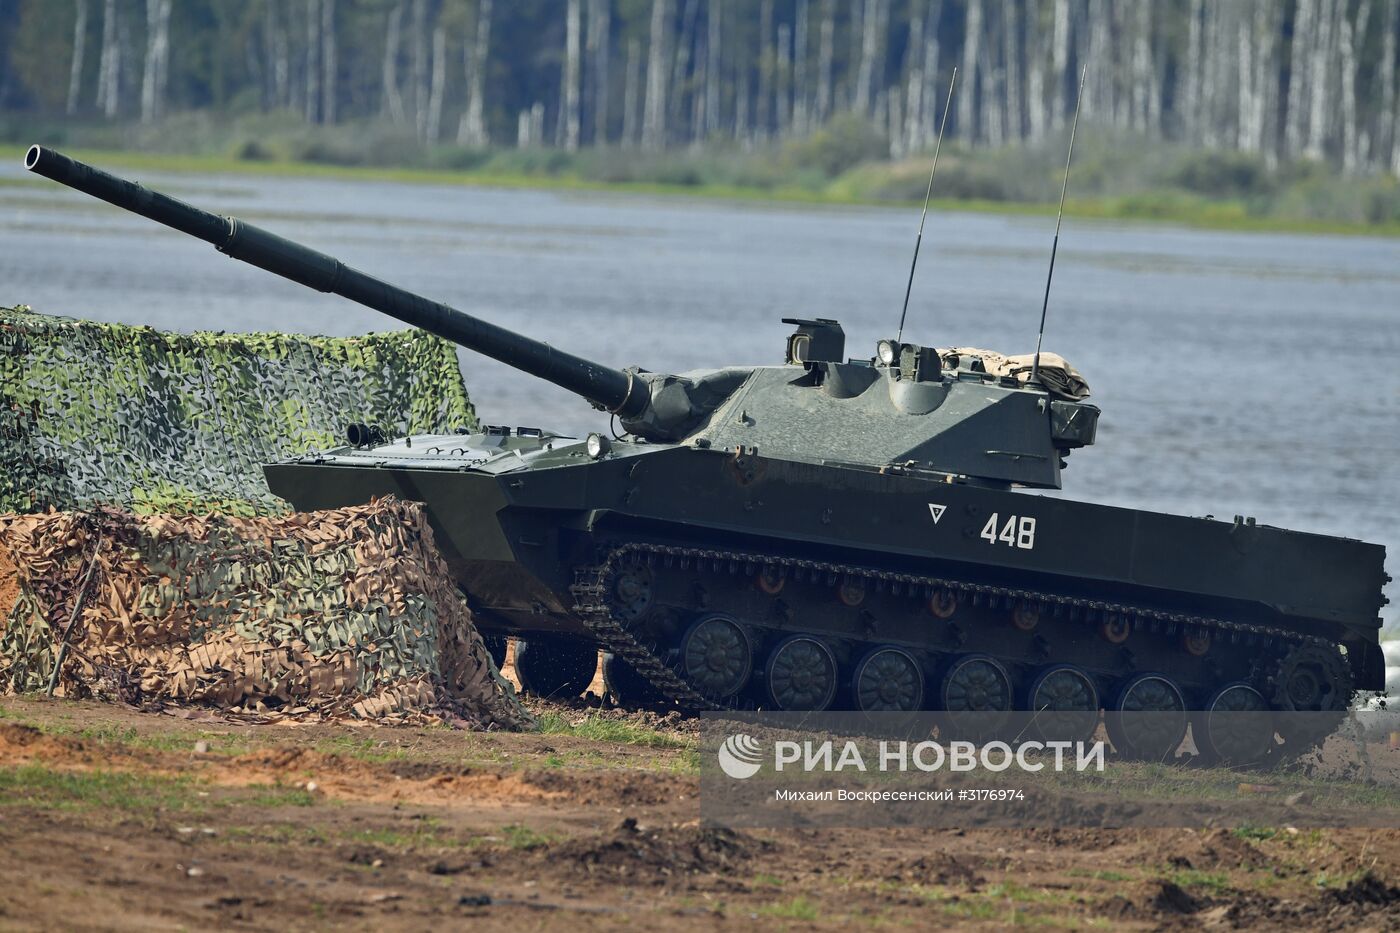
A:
[833,533]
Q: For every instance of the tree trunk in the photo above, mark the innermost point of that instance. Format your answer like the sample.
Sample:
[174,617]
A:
[1037,118]
[913,131]
[1351,146]
[109,63]
[966,125]
[681,84]
[714,22]
[800,96]
[312,106]
[330,84]
[856,41]
[419,47]
[782,80]
[573,73]
[438,87]
[1319,70]
[471,130]
[279,88]
[599,29]
[870,42]
[932,88]
[1012,52]
[393,101]
[763,106]
[1387,141]
[630,92]
[826,52]
[658,59]
[1060,64]
[1142,68]
[1294,106]
[157,59]
[75,68]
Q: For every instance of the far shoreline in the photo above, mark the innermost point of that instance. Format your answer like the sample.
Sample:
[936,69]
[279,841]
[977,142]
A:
[1223,216]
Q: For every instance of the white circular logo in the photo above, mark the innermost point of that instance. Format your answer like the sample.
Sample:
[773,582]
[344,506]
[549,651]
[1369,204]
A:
[740,756]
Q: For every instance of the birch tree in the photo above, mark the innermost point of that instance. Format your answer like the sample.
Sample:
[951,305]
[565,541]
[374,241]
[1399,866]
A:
[330,83]
[389,73]
[658,58]
[437,86]
[631,135]
[75,67]
[573,73]
[109,64]
[311,107]
[826,50]
[471,130]
[599,29]
[966,124]
[157,59]
[714,37]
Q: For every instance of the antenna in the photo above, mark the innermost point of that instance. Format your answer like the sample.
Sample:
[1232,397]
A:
[1055,246]
[948,105]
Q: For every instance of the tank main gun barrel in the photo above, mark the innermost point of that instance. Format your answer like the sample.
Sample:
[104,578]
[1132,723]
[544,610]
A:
[611,389]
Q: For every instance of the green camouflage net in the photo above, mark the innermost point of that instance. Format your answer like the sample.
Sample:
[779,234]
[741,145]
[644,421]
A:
[343,613]
[108,414]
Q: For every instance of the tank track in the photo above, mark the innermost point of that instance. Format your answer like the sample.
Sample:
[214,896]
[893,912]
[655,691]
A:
[592,605]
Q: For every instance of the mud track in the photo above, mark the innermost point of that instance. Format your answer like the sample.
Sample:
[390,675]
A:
[110,818]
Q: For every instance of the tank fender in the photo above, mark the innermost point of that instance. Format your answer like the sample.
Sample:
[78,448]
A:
[1367,665]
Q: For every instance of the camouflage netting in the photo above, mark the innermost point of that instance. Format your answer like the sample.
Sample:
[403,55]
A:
[108,414]
[344,613]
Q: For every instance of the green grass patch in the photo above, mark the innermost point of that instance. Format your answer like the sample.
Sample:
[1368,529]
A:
[1216,882]
[598,729]
[798,908]
[35,785]
[524,838]
[1250,832]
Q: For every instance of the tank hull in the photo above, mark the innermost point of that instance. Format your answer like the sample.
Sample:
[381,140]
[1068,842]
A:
[518,539]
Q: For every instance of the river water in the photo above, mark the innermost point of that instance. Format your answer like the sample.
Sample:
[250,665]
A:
[1238,373]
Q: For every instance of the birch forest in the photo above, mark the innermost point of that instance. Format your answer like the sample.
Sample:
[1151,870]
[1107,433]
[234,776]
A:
[1283,79]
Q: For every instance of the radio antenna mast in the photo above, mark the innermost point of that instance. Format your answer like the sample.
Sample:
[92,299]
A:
[1055,246]
[943,124]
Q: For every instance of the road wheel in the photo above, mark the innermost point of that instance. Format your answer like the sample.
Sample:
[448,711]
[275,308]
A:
[888,680]
[717,656]
[801,674]
[1148,718]
[1064,704]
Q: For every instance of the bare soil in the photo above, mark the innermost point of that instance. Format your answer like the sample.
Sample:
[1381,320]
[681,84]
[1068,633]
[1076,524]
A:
[116,819]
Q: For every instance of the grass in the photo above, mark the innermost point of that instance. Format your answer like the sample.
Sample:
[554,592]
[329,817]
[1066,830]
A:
[35,785]
[597,729]
[1215,882]
[797,908]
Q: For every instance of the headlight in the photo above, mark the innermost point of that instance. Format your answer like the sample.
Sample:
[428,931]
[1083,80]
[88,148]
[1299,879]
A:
[597,445]
[887,351]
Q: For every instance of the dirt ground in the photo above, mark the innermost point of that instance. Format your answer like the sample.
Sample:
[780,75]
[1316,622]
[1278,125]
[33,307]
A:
[116,819]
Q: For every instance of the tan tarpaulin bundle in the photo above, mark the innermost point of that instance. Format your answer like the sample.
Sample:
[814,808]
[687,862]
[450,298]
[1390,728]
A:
[343,613]
[1056,374]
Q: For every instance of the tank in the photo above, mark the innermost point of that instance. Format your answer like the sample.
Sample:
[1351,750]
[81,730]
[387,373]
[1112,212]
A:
[833,532]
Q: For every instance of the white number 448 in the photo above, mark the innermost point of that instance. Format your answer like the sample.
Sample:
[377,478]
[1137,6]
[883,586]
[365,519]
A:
[1016,531]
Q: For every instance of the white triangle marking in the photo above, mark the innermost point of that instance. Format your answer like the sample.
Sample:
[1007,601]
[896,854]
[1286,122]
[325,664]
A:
[936,511]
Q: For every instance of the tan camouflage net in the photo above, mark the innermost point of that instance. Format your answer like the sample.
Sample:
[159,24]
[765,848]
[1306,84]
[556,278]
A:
[107,414]
[343,613]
